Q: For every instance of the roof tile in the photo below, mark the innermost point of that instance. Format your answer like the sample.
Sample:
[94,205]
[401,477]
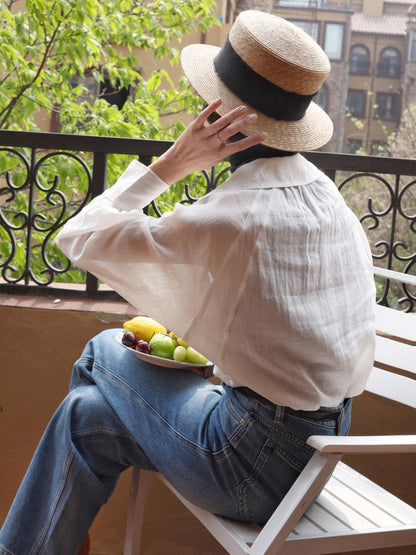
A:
[379,24]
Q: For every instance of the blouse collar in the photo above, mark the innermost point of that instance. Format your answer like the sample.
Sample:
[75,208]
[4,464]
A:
[266,173]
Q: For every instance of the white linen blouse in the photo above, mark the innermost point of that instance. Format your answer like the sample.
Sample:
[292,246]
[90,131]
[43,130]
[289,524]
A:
[270,275]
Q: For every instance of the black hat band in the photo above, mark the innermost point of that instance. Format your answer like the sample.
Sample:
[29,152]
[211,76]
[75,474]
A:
[255,90]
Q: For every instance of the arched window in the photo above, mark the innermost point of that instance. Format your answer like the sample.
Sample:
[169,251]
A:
[321,97]
[389,64]
[359,60]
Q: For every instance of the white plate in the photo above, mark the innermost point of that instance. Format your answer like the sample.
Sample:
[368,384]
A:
[166,362]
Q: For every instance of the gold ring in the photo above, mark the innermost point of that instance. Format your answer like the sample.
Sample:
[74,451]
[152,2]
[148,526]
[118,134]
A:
[217,134]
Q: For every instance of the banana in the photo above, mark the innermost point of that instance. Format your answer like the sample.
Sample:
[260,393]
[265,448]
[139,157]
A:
[143,327]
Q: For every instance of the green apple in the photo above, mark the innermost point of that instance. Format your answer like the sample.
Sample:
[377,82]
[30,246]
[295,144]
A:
[179,353]
[163,345]
[194,357]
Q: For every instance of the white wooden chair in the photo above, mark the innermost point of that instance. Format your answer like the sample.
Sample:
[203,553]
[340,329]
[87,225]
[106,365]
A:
[351,513]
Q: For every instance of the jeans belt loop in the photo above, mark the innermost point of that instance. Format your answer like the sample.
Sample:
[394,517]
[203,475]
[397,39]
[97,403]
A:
[279,413]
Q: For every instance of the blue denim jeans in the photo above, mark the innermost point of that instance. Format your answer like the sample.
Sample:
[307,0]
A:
[222,448]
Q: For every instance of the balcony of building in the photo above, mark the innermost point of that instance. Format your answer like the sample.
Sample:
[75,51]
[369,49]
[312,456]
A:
[46,320]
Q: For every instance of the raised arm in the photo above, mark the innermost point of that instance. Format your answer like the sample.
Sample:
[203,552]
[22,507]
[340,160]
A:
[201,146]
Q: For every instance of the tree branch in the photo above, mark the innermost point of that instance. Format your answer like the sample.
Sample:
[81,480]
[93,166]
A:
[5,113]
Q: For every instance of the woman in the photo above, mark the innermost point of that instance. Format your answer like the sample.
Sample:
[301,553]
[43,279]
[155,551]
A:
[269,276]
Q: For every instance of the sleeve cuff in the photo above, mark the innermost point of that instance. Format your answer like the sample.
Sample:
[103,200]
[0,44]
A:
[135,188]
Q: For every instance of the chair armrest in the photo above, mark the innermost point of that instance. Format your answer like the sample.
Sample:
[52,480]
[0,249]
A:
[392,274]
[363,444]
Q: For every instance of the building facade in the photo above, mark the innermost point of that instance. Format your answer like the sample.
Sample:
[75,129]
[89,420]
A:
[372,48]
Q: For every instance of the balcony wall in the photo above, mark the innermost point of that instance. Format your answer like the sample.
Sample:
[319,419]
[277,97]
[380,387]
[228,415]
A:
[39,342]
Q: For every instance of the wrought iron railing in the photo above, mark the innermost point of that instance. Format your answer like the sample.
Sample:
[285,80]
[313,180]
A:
[34,204]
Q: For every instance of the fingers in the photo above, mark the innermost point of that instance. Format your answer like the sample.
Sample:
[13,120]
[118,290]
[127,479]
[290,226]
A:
[228,125]
[243,144]
[236,126]
[227,120]
[222,121]
[206,112]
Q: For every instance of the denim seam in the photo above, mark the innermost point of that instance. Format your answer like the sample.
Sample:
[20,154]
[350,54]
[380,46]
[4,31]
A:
[259,463]
[273,426]
[67,466]
[6,551]
[96,431]
[238,433]
[218,454]
[232,408]
[293,438]
[289,458]
[244,423]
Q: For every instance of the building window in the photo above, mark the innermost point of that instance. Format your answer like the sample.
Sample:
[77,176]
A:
[359,60]
[334,40]
[388,106]
[351,146]
[310,27]
[113,95]
[389,64]
[356,103]
[321,97]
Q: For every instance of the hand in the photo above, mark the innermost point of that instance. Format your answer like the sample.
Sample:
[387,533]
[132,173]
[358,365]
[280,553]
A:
[201,146]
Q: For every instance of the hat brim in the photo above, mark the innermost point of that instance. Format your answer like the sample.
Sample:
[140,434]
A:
[309,133]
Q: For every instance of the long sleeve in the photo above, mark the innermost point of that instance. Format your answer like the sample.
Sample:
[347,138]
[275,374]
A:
[162,266]
[119,205]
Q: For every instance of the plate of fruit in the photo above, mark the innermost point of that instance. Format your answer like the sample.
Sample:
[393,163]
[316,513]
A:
[152,342]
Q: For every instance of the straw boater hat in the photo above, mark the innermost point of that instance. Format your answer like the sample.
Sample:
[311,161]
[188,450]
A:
[275,69]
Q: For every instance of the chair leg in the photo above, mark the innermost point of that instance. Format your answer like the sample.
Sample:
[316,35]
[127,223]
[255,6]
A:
[138,490]
[85,547]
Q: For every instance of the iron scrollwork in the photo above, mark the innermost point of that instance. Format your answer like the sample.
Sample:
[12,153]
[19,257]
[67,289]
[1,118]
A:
[192,191]
[34,207]
[383,224]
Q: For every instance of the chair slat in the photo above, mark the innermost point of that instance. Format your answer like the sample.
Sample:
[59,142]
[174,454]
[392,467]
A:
[392,386]
[356,499]
[386,501]
[326,520]
[342,512]
[305,526]
[395,324]
[395,356]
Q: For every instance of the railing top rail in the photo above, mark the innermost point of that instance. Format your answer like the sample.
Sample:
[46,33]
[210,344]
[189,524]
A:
[87,143]
[147,147]
[360,163]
